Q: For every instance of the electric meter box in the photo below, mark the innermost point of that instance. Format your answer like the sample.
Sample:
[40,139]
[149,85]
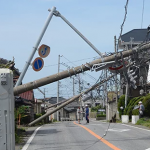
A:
[7,122]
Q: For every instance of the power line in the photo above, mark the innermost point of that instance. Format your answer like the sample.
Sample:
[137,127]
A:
[125,16]
[66,62]
[142,13]
[75,65]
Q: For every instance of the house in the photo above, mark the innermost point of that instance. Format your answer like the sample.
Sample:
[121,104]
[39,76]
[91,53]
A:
[37,108]
[62,112]
[133,38]
[26,98]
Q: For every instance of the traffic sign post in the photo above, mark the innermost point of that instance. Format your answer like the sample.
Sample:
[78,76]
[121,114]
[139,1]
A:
[38,64]
[44,51]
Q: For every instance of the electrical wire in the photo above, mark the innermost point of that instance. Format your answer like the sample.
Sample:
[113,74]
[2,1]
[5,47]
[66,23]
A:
[125,16]
[142,14]
[76,65]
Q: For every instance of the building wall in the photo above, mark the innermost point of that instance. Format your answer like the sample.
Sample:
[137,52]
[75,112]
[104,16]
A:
[72,115]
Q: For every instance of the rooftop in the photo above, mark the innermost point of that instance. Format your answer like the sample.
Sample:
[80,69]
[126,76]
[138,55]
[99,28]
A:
[139,35]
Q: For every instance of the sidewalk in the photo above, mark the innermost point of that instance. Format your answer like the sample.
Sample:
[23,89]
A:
[27,134]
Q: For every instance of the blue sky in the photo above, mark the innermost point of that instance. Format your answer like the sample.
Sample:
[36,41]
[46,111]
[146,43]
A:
[21,23]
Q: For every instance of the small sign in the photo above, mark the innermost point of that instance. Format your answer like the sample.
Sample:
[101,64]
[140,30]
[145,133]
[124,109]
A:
[101,110]
[38,64]
[44,51]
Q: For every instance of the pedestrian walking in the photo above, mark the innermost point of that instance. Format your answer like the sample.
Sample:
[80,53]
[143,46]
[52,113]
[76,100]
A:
[87,113]
[141,109]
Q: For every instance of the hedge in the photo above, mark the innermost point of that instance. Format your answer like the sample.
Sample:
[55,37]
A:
[99,115]
[133,102]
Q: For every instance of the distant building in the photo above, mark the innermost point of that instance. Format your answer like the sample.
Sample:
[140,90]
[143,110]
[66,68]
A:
[133,38]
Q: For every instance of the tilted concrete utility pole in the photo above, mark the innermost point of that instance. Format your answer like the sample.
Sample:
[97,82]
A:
[67,73]
[69,101]
[79,69]
[35,47]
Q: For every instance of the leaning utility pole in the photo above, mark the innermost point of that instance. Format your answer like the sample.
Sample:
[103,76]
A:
[35,47]
[70,101]
[67,73]
[73,71]
[58,87]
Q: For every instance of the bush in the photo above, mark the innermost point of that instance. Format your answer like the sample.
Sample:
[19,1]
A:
[41,122]
[100,115]
[135,112]
[121,102]
[37,116]
[96,108]
[144,122]
[146,103]
[134,101]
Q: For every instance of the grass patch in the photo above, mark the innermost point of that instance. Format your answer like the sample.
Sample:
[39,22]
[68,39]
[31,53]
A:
[19,135]
[144,122]
[118,121]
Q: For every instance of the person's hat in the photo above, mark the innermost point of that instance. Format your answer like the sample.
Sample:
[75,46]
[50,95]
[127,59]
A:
[140,102]
[86,105]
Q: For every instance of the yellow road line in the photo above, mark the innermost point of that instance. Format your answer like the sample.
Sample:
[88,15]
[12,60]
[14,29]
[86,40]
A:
[98,137]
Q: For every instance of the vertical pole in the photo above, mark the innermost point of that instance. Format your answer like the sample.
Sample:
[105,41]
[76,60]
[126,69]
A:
[58,87]
[126,96]
[73,87]
[44,100]
[105,89]
[116,88]
[80,98]
[35,47]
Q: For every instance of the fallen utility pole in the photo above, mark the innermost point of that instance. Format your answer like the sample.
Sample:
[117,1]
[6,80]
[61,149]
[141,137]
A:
[67,73]
[69,101]
[56,104]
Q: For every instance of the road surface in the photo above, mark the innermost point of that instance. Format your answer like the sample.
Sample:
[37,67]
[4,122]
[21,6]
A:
[73,136]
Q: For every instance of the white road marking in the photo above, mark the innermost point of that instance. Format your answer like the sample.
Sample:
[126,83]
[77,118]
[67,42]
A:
[98,121]
[135,127]
[96,124]
[148,149]
[118,130]
[30,139]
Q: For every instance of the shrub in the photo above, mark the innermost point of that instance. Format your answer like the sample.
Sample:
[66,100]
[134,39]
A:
[146,103]
[37,116]
[100,115]
[96,108]
[121,102]
[135,112]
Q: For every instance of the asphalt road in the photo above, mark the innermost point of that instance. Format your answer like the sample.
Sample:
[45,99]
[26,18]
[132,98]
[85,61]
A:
[72,136]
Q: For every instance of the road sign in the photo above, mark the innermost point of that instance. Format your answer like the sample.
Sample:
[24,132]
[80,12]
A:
[38,64]
[44,51]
